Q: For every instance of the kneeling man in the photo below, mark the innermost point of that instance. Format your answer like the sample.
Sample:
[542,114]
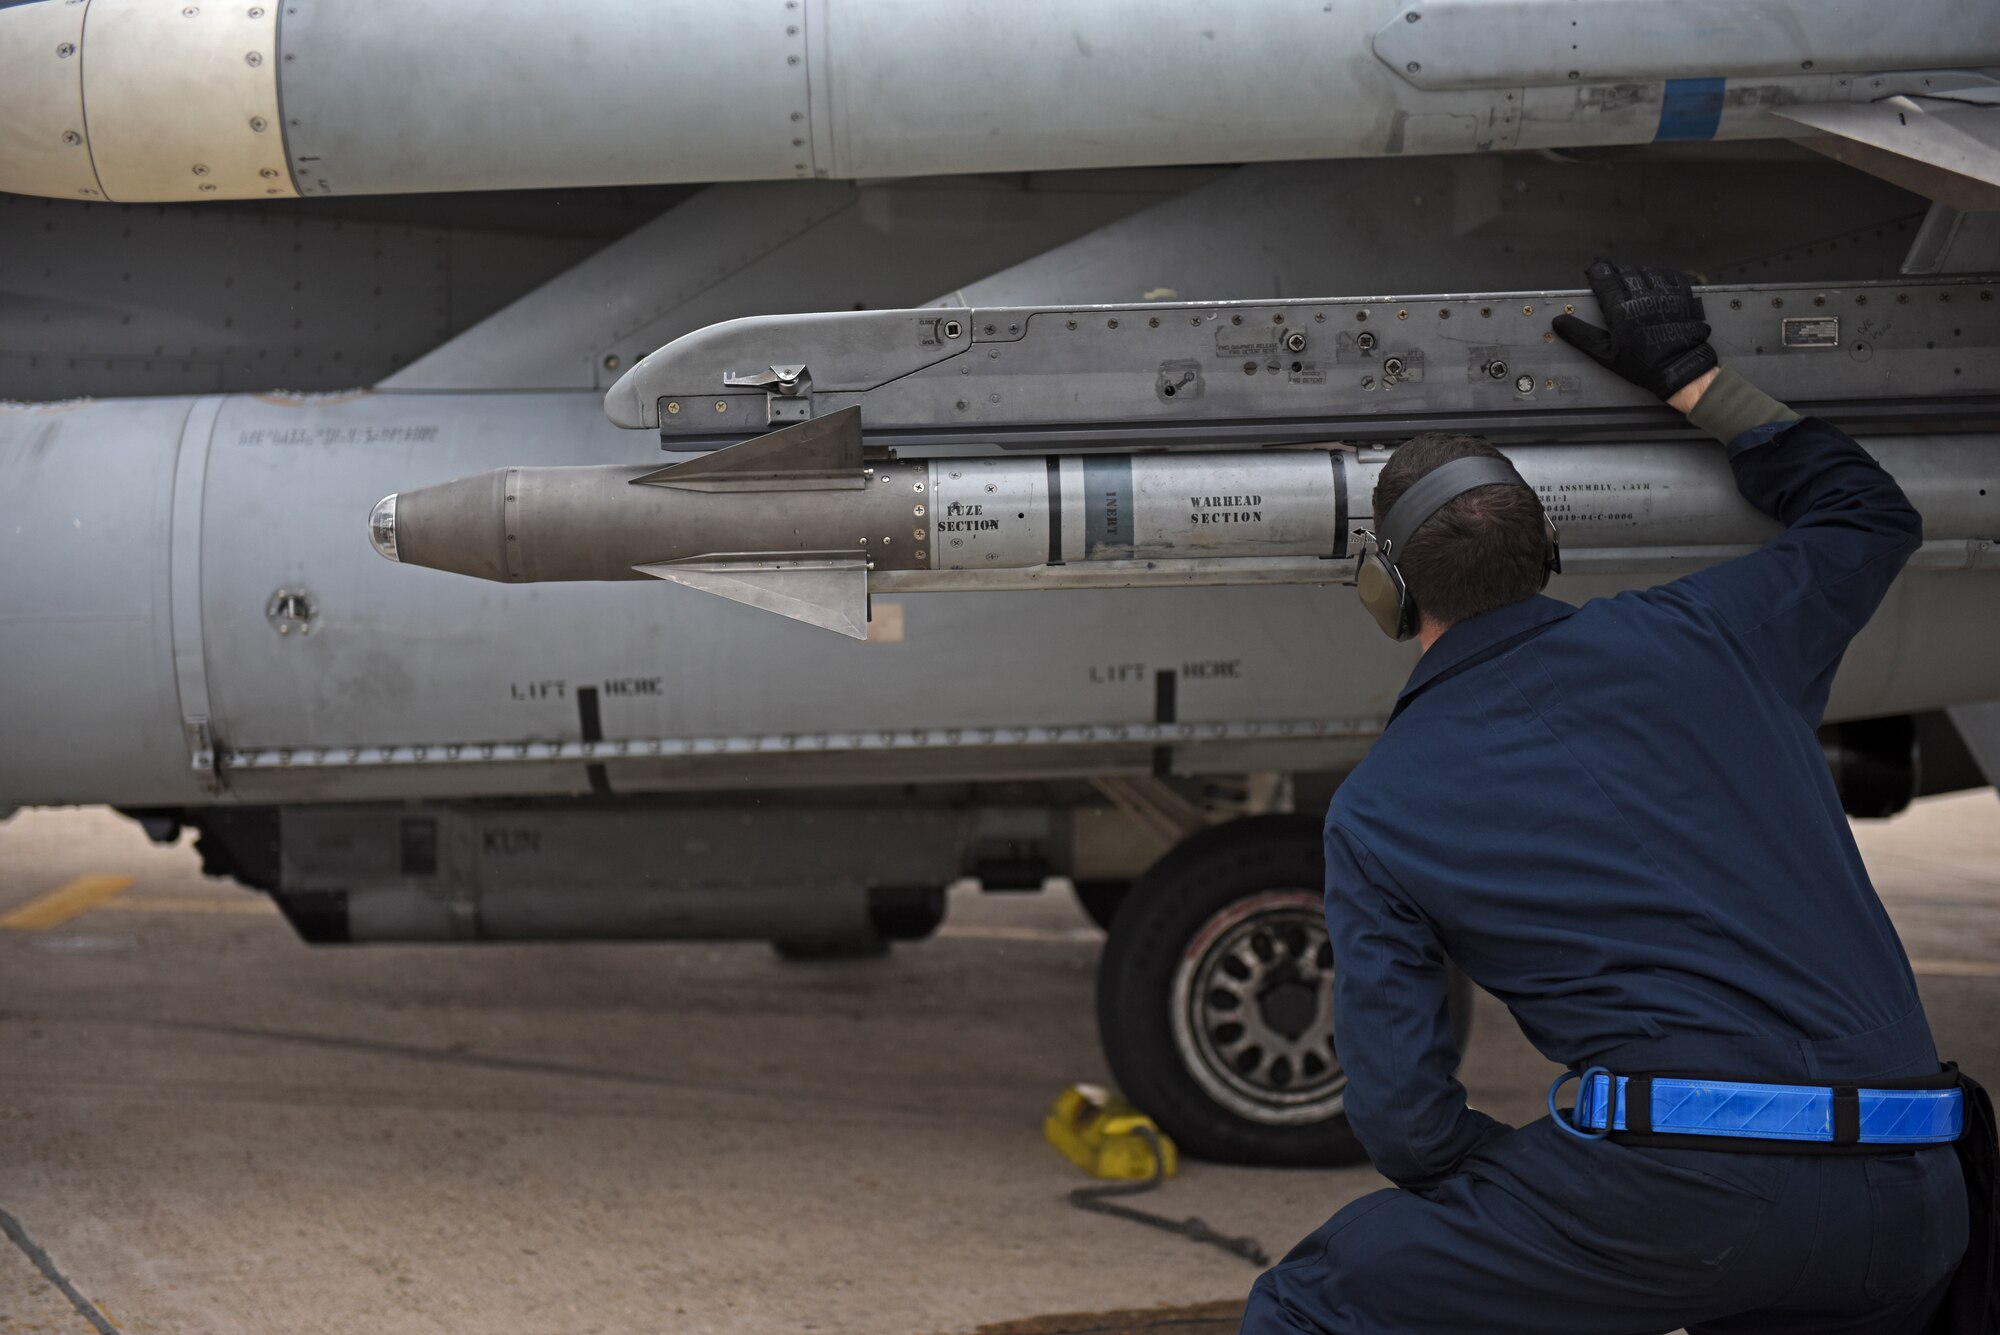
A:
[1618,820]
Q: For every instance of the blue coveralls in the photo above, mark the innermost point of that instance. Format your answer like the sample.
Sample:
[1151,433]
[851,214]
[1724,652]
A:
[1618,820]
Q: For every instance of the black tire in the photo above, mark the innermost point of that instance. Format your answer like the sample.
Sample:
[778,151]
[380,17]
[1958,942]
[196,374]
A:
[1263,875]
[1100,899]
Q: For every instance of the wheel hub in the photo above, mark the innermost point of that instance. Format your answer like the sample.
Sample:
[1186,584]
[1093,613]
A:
[1253,1010]
[1289,1006]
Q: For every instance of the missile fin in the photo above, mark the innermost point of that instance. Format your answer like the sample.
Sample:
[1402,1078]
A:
[1946,147]
[825,589]
[821,454]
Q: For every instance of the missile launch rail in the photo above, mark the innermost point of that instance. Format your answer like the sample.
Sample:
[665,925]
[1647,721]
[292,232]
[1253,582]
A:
[1917,355]
[797,519]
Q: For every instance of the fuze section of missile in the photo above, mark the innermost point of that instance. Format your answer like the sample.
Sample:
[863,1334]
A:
[802,523]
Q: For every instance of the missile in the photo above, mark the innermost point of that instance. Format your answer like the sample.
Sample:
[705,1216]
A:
[153,100]
[806,522]
[803,523]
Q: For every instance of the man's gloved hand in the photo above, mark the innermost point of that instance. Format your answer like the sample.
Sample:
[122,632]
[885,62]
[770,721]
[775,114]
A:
[1657,338]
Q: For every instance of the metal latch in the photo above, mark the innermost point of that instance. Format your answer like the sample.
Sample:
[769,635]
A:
[203,754]
[787,391]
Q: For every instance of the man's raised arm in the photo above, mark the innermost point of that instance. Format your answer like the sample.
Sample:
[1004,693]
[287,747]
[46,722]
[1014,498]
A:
[1796,602]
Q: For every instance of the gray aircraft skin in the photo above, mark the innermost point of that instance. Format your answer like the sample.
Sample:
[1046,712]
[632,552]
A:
[311,98]
[197,630]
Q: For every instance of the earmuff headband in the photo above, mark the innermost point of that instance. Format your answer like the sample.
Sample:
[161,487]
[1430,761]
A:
[1377,578]
[1436,489]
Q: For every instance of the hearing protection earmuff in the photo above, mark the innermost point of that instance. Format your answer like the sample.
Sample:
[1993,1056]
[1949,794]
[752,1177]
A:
[1380,583]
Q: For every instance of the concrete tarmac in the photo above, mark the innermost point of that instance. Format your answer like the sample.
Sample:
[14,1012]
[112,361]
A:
[209,1128]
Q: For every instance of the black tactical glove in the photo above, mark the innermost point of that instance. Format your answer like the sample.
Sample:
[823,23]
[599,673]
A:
[1657,338]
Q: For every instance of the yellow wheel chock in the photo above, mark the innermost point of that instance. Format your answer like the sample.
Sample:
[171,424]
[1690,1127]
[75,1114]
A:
[1107,1137]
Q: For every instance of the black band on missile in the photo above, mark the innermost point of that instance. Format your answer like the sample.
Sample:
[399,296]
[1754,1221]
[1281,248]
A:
[593,731]
[1339,466]
[417,846]
[1055,511]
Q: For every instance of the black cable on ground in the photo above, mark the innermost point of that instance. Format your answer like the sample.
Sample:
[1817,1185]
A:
[1098,1200]
[12,1228]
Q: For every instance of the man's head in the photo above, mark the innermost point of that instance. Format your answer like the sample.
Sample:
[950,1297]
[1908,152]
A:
[1482,550]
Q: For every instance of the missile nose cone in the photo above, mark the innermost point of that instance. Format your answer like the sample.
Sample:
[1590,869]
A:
[459,526]
[382,527]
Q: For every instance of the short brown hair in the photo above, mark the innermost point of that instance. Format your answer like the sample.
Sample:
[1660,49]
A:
[1481,550]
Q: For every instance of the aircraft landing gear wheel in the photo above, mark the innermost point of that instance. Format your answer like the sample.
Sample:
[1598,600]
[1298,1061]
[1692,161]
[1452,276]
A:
[1215,998]
[1100,899]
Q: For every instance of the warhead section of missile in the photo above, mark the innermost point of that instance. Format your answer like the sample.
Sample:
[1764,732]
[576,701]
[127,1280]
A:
[807,519]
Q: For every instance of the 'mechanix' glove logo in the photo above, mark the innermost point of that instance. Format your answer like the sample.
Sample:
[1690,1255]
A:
[1658,336]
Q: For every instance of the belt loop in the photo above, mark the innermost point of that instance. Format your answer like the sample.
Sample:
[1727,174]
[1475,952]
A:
[1846,1115]
[1639,1103]
[1575,1123]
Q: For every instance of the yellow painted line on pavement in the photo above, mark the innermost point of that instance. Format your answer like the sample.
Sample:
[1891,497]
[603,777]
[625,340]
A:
[1957,968]
[190,904]
[64,902]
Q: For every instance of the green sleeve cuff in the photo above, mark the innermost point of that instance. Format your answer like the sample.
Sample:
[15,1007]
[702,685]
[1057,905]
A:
[1732,405]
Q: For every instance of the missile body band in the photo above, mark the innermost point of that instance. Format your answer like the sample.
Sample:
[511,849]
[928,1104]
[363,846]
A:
[799,522]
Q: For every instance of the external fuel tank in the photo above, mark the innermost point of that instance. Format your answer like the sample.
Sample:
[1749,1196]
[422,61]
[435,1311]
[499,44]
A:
[139,100]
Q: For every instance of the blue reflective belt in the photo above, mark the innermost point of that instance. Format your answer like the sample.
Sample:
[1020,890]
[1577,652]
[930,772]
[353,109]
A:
[1691,1107]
